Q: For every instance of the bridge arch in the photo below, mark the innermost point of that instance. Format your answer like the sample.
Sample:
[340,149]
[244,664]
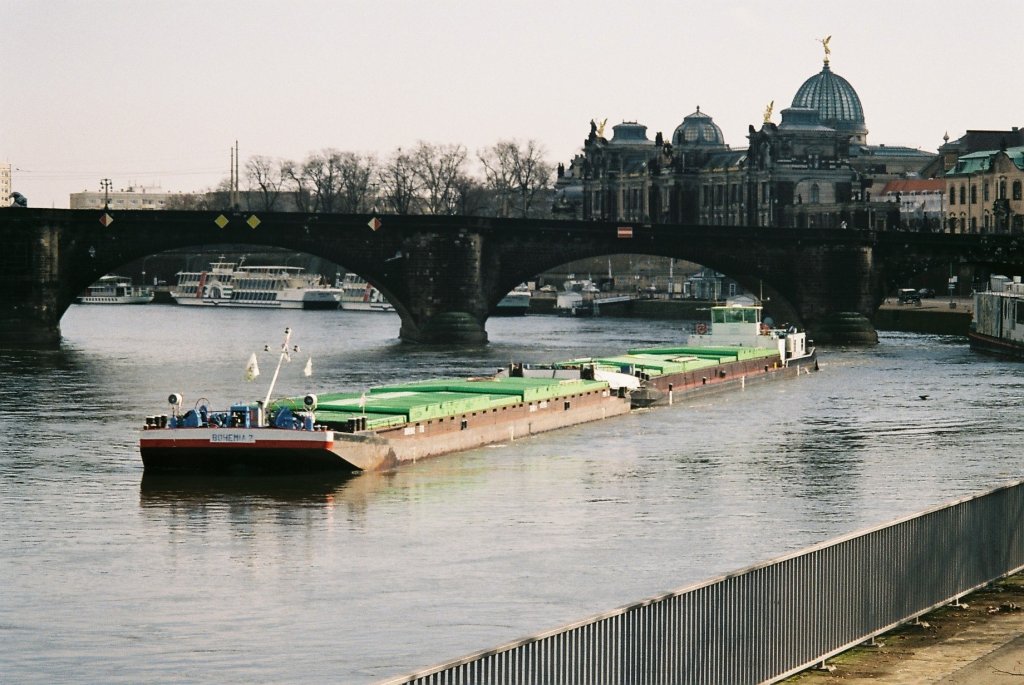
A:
[445,275]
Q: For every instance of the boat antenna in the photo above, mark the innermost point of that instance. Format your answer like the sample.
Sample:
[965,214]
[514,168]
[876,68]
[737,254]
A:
[284,356]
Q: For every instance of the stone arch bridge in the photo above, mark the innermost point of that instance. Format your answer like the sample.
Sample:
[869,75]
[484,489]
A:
[445,275]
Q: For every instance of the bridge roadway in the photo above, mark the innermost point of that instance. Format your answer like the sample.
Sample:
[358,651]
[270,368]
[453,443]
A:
[445,275]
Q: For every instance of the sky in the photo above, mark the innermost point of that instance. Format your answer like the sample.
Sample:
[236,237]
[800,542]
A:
[156,92]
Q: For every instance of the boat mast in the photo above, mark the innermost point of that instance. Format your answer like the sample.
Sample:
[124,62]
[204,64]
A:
[284,355]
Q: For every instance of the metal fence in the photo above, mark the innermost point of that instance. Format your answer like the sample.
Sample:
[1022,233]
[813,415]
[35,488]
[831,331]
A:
[768,621]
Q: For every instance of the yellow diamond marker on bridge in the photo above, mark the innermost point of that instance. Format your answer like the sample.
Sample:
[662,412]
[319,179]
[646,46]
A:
[106,219]
[253,221]
[374,223]
[221,221]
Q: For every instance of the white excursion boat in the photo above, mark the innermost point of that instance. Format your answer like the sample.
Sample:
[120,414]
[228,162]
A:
[358,295]
[515,303]
[114,289]
[998,323]
[227,284]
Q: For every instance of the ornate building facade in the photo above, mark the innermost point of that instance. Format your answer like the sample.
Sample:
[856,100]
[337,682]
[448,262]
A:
[814,168]
[984,182]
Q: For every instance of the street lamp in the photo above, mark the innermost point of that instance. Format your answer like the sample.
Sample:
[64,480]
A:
[105,184]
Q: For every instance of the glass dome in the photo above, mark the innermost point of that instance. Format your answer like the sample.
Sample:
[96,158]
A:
[698,129]
[835,99]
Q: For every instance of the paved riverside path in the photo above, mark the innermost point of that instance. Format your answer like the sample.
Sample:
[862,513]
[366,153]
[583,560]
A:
[982,644]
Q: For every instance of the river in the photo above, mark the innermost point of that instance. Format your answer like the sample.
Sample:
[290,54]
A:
[107,576]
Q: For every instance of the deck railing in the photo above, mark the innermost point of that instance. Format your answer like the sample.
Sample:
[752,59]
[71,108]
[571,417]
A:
[768,621]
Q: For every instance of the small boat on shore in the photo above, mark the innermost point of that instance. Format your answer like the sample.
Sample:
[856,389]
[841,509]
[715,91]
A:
[114,289]
[997,326]
[394,424]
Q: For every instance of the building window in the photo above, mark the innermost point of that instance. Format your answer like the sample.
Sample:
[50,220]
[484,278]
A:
[974,194]
[952,196]
[984,191]
[815,194]
[963,194]
[1016,190]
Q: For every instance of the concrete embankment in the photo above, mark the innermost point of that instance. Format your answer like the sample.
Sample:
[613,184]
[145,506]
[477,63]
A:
[931,316]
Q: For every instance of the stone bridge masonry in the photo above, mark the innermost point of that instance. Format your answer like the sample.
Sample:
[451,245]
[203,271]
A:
[445,275]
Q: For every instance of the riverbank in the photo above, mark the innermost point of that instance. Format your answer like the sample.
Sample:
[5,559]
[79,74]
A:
[979,641]
[939,316]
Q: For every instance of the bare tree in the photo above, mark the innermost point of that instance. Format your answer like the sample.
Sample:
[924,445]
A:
[267,179]
[516,174]
[323,170]
[356,188]
[398,183]
[295,181]
[438,170]
[471,196]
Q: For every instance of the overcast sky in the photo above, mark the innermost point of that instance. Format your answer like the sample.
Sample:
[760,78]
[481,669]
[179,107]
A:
[155,92]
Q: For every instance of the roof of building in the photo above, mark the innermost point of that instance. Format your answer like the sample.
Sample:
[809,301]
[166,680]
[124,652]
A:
[835,99]
[802,118]
[894,151]
[630,133]
[914,185]
[982,161]
[698,129]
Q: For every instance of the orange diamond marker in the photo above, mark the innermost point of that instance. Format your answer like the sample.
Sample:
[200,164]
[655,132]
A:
[106,219]
[374,223]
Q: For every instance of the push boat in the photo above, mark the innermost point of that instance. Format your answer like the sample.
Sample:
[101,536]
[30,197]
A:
[997,326]
[230,284]
[395,424]
[114,289]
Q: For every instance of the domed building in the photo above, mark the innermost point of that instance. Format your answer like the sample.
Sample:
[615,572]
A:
[698,130]
[836,102]
[812,169]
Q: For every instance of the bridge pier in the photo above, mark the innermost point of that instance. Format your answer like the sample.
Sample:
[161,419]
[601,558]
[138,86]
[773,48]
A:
[30,280]
[445,301]
[27,330]
[843,328]
[445,328]
[837,286]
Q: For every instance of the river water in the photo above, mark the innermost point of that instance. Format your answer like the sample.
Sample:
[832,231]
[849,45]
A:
[108,576]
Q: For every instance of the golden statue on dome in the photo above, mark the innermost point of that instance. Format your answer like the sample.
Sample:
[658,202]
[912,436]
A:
[768,112]
[824,43]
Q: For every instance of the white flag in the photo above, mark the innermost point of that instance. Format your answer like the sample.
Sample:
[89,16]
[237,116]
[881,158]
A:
[362,404]
[308,371]
[252,369]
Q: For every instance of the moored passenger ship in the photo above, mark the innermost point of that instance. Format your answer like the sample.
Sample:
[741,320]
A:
[227,284]
[997,326]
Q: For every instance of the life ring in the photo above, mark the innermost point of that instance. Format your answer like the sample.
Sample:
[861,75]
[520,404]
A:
[702,328]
